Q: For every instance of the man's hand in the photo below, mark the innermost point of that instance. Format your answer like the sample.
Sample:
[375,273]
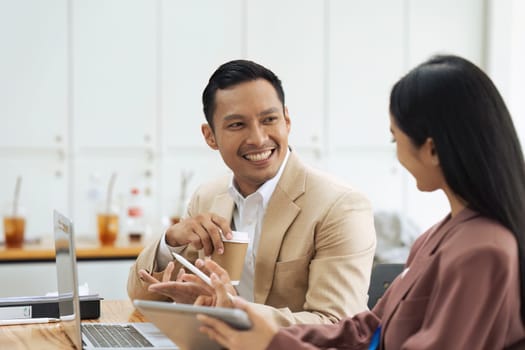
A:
[258,337]
[166,275]
[180,290]
[202,231]
[184,290]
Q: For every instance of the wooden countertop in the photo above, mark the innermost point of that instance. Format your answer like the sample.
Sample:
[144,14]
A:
[86,250]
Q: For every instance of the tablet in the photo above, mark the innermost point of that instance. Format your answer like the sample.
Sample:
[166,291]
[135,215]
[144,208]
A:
[179,323]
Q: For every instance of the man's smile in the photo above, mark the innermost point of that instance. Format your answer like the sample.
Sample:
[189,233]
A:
[257,157]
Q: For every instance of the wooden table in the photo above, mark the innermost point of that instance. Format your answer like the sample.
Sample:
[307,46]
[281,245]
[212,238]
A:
[51,336]
[86,250]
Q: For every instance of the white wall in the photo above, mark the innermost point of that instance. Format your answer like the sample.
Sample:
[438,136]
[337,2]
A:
[506,55]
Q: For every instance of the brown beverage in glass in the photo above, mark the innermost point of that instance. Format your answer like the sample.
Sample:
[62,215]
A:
[107,228]
[14,227]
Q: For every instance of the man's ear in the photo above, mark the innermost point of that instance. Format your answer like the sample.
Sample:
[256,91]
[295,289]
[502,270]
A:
[209,136]
[287,119]
[430,151]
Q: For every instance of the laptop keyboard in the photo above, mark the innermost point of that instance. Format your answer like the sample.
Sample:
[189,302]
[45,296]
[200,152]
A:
[114,336]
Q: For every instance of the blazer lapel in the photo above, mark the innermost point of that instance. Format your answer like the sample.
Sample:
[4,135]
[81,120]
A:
[280,214]
[223,206]
[419,262]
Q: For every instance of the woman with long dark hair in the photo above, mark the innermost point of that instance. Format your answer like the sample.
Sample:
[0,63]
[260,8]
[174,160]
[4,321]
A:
[464,282]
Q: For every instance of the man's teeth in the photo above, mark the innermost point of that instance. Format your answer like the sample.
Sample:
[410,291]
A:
[255,157]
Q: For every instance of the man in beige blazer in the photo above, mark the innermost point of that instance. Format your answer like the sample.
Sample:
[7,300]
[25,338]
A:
[313,238]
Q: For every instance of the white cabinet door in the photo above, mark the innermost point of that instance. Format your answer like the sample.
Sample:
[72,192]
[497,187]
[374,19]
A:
[197,37]
[114,73]
[366,53]
[288,38]
[44,188]
[108,278]
[33,68]
[28,279]
[448,26]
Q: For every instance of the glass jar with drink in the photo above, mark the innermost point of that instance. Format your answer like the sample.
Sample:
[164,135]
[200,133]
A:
[14,226]
[108,225]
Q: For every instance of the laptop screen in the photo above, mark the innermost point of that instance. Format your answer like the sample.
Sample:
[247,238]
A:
[68,300]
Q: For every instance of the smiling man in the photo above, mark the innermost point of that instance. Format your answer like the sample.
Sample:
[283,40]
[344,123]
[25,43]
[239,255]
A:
[312,239]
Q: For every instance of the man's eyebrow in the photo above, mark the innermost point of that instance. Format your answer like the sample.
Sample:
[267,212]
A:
[268,111]
[271,110]
[232,117]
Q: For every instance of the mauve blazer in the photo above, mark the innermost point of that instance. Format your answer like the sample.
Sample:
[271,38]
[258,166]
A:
[315,251]
[460,290]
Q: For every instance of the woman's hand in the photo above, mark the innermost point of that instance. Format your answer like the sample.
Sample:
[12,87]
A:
[223,290]
[258,337]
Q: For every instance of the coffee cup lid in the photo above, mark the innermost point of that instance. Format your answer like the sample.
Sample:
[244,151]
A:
[238,236]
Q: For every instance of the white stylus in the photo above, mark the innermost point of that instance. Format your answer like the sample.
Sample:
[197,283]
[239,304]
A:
[192,268]
[196,271]
[28,320]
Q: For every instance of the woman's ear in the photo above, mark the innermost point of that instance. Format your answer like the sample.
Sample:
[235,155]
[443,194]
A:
[209,136]
[430,150]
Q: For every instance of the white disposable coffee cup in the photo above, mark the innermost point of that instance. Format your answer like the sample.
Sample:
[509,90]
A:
[232,259]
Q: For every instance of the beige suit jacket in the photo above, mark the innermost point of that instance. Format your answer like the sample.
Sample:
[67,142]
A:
[315,252]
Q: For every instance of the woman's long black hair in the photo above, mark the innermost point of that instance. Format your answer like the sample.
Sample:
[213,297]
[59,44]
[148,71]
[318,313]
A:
[452,101]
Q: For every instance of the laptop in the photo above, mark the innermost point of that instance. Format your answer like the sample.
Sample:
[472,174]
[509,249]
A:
[98,336]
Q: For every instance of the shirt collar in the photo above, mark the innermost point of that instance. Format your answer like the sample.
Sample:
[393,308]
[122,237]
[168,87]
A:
[265,190]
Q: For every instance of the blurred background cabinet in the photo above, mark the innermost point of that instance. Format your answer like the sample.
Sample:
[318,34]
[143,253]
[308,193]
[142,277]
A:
[34,108]
[40,278]
[114,80]
[34,75]
[114,116]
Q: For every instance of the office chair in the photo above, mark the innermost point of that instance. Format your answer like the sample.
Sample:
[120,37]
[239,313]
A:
[382,276]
